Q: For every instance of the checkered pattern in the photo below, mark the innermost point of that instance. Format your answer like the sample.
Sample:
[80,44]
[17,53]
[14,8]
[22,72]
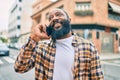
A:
[42,56]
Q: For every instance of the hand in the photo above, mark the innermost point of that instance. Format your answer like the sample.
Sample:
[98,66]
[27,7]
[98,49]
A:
[39,32]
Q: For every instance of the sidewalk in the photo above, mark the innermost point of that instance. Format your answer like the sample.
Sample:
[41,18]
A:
[106,56]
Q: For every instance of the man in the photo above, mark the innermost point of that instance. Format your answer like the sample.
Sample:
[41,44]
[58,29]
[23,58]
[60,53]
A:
[63,57]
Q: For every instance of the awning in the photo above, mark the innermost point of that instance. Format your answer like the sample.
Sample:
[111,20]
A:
[115,7]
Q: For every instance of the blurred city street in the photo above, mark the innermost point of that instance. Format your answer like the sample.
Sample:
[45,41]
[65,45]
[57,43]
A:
[7,68]
[95,20]
[110,67]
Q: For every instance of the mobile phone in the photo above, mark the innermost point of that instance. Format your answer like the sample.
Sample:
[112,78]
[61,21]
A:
[49,30]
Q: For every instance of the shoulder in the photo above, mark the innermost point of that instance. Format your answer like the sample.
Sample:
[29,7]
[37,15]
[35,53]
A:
[83,41]
[85,44]
[86,48]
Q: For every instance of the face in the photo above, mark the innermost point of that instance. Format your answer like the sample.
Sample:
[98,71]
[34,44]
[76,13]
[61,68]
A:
[59,24]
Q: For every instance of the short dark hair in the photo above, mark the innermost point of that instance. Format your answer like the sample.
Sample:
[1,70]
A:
[66,13]
[63,11]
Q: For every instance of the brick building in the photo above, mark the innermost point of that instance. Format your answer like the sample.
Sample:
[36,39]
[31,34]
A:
[96,20]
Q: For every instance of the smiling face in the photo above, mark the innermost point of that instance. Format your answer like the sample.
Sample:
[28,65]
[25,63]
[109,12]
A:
[59,24]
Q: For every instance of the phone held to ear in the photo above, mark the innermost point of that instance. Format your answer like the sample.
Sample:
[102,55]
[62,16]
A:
[49,30]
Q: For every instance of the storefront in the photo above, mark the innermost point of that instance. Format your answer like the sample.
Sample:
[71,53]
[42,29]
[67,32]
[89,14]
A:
[104,38]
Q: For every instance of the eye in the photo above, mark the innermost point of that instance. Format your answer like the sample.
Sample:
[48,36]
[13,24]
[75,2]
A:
[50,17]
[59,14]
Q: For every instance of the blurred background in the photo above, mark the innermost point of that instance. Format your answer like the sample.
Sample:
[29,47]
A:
[95,20]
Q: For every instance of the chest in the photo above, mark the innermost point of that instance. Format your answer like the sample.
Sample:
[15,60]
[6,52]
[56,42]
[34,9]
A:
[65,56]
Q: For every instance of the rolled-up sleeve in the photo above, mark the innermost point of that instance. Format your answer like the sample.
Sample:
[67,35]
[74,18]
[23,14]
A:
[26,58]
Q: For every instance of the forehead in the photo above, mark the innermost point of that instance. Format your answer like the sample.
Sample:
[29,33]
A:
[54,11]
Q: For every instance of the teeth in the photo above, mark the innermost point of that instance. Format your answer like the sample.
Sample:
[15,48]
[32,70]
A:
[57,27]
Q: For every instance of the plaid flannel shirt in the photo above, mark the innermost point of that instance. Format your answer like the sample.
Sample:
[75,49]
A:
[42,56]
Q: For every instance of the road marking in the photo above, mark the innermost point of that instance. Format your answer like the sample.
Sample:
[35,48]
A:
[14,57]
[8,59]
[1,62]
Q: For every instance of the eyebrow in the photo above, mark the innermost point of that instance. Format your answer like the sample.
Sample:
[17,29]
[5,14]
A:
[57,12]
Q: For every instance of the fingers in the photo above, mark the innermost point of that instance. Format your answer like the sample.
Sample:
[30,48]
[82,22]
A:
[44,36]
[40,31]
[42,28]
[51,22]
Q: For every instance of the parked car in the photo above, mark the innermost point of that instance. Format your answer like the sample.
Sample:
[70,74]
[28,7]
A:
[4,50]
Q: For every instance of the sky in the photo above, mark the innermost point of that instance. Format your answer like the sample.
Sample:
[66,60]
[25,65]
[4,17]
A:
[5,5]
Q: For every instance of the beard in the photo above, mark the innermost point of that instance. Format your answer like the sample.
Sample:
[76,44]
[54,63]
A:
[57,34]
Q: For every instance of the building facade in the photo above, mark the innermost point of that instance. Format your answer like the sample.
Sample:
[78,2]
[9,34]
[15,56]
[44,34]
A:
[96,20]
[14,21]
[20,21]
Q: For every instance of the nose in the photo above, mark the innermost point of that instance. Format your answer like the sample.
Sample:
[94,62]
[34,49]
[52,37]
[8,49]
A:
[55,19]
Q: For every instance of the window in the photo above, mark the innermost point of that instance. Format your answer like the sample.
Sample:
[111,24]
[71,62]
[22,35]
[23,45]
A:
[18,26]
[87,34]
[116,36]
[113,11]
[83,9]
[20,8]
[97,35]
[18,17]
[20,0]
[83,6]
[114,16]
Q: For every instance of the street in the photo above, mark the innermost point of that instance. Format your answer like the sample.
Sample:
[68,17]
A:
[110,64]
[7,68]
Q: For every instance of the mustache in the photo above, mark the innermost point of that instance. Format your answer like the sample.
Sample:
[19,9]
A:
[65,24]
[49,28]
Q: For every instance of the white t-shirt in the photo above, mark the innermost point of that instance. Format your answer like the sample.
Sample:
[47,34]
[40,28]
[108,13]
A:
[64,59]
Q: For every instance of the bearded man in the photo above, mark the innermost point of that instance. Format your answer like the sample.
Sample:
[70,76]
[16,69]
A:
[65,56]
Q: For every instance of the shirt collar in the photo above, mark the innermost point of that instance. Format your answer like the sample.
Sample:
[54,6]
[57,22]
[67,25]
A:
[75,41]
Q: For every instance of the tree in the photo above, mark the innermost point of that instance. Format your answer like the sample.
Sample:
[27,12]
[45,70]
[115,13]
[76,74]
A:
[3,39]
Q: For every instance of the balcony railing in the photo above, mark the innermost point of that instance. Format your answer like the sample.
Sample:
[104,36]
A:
[83,13]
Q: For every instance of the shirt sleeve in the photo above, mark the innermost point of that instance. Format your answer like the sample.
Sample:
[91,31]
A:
[96,71]
[26,58]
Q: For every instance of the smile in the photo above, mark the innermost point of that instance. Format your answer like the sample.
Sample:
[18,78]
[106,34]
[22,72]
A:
[57,26]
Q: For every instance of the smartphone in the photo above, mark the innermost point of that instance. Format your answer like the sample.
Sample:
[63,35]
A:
[49,30]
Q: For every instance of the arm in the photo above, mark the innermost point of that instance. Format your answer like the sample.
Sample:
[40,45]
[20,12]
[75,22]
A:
[96,72]
[26,58]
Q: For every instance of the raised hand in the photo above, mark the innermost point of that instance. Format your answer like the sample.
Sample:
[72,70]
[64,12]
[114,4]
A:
[39,32]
